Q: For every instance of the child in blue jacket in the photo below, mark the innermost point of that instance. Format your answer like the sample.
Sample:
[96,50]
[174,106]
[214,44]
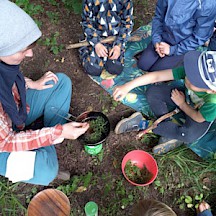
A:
[178,27]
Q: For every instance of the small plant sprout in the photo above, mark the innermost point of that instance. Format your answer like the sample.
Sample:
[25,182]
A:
[52,43]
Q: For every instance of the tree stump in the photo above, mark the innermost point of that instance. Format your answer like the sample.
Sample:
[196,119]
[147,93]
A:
[49,202]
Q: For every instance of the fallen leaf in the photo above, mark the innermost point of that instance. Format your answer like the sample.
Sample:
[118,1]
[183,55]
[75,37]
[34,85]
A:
[81,189]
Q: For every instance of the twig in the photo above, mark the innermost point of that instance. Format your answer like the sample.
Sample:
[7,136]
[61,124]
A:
[155,124]
[106,40]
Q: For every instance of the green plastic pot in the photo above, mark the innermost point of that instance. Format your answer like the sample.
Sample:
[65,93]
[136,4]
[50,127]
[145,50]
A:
[93,148]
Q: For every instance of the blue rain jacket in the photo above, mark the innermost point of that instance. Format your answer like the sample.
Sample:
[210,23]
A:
[183,24]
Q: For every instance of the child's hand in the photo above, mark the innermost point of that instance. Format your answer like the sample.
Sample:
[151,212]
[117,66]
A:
[114,53]
[120,92]
[164,48]
[157,50]
[101,50]
[178,97]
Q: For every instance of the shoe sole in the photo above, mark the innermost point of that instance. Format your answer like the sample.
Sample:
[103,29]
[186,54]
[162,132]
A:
[124,120]
[164,148]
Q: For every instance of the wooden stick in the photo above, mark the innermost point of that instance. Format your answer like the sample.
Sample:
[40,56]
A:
[155,124]
[106,40]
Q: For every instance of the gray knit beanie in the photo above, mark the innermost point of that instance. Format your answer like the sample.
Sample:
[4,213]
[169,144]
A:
[17,29]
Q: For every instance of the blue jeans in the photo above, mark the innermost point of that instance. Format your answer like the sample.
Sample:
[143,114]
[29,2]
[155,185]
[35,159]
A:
[40,102]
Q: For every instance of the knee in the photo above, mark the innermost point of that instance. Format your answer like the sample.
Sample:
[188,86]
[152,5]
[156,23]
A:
[63,78]
[64,83]
[114,67]
[92,70]
[189,137]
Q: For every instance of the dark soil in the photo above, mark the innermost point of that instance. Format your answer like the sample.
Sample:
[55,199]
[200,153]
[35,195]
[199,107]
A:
[87,95]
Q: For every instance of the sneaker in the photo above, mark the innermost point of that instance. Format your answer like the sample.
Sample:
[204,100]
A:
[129,124]
[63,175]
[165,145]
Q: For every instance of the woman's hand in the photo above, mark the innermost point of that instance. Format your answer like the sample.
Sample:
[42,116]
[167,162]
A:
[178,97]
[115,53]
[73,130]
[101,50]
[120,92]
[41,83]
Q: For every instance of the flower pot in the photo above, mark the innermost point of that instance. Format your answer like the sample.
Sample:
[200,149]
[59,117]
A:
[92,143]
[141,158]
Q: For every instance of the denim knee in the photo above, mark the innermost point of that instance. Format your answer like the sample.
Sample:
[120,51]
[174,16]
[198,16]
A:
[67,82]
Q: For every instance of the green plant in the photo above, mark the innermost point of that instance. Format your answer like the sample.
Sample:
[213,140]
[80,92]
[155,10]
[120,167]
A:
[9,199]
[180,170]
[53,16]
[31,195]
[52,43]
[159,186]
[53,2]
[150,138]
[97,128]
[190,201]
[73,5]
[77,183]
[136,174]
[29,8]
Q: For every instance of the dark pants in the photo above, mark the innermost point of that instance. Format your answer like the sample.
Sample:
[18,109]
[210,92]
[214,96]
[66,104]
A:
[151,61]
[94,64]
[159,99]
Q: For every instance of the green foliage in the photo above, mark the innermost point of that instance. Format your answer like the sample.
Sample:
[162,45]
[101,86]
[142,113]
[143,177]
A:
[29,8]
[180,171]
[136,174]
[53,16]
[97,127]
[9,199]
[73,6]
[150,138]
[190,201]
[31,194]
[53,2]
[75,182]
[52,43]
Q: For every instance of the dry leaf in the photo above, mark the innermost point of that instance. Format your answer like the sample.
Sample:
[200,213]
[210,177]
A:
[81,189]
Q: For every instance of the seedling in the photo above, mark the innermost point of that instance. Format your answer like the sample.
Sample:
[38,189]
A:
[53,16]
[52,43]
[97,128]
[136,174]
[73,5]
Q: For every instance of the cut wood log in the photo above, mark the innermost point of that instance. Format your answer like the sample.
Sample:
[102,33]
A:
[106,40]
[49,202]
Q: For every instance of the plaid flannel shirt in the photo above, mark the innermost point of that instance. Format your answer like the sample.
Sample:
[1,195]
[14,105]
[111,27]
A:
[24,140]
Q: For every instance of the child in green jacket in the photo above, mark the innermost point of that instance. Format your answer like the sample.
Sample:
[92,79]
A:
[199,73]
